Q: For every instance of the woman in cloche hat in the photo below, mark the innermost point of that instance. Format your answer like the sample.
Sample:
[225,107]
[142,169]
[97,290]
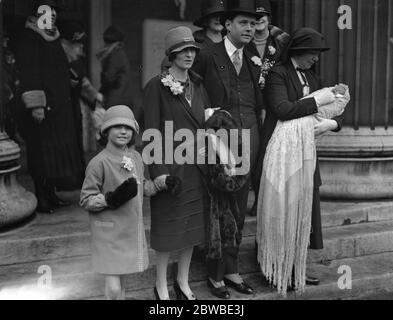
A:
[177,97]
[289,204]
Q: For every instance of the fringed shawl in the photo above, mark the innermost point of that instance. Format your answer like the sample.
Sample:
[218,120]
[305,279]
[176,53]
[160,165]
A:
[286,195]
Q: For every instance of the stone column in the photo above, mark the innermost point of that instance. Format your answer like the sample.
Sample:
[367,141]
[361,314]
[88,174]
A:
[16,204]
[357,164]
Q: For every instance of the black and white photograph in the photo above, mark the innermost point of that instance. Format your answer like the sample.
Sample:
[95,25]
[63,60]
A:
[223,151]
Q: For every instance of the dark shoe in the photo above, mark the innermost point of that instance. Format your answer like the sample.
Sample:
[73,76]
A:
[243,287]
[221,293]
[180,295]
[55,201]
[312,281]
[45,208]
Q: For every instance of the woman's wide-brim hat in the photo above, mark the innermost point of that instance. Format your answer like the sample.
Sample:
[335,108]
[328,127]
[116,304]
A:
[241,7]
[119,116]
[209,9]
[307,40]
[179,38]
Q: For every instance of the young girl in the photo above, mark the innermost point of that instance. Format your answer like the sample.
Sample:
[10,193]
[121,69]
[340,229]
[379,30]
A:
[113,193]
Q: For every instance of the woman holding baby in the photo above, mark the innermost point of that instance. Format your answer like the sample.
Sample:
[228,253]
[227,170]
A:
[298,112]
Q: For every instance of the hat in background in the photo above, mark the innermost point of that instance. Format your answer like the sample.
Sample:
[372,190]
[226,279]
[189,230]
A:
[239,7]
[307,40]
[49,3]
[209,8]
[178,39]
[72,31]
[113,34]
[119,116]
[264,7]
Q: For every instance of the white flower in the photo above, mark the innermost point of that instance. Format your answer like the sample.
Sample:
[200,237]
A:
[272,50]
[127,163]
[257,61]
[175,86]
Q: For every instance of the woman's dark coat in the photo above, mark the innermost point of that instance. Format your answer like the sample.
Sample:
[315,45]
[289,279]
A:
[177,222]
[53,148]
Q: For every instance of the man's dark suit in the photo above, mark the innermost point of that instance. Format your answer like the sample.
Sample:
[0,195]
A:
[282,97]
[216,68]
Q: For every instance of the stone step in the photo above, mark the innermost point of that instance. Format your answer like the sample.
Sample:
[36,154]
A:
[74,278]
[349,242]
[66,234]
[355,241]
[370,275]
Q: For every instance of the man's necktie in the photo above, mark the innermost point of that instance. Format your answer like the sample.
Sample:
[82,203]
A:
[306,87]
[237,62]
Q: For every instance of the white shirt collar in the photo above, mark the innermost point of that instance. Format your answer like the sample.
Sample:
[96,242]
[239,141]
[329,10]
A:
[294,63]
[230,48]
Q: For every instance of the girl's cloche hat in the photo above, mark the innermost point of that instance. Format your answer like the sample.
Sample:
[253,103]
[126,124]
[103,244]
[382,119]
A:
[117,116]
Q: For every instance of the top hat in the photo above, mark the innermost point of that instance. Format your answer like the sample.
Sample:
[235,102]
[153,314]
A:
[239,7]
[178,39]
[113,34]
[264,7]
[73,31]
[305,40]
[117,116]
[210,8]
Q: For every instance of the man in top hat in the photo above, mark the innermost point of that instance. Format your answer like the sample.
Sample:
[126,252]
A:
[268,44]
[231,80]
[287,83]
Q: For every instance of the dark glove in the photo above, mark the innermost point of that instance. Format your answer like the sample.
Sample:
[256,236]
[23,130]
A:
[174,185]
[123,193]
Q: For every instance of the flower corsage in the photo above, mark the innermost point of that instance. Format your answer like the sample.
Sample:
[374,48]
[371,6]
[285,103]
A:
[265,65]
[128,165]
[175,86]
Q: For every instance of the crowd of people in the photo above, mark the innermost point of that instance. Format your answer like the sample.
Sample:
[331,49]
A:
[238,72]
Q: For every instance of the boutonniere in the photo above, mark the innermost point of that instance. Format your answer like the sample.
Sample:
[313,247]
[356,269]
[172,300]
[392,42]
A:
[272,50]
[175,86]
[257,61]
[266,65]
[128,164]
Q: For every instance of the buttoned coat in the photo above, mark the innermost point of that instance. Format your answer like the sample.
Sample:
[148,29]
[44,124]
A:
[177,222]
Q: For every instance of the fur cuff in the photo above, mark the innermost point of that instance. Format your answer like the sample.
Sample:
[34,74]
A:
[34,99]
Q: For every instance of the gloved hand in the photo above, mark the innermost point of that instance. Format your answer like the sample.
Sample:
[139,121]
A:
[325,97]
[123,193]
[160,183]
[38,115]
[209,112]
[173,185]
